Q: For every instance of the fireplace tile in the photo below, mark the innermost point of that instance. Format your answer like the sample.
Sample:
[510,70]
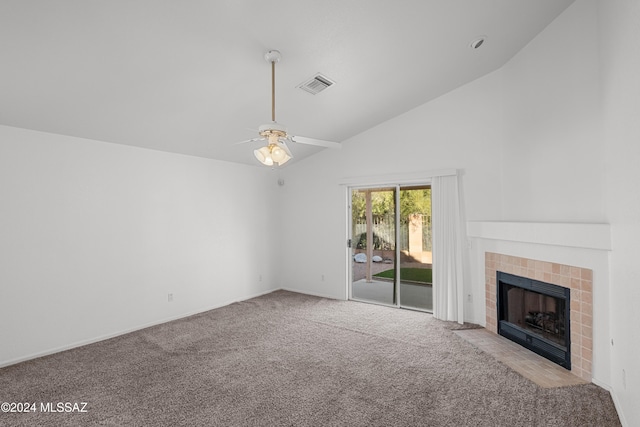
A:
[575,283]
[576,340]
[575,272]
[576,317]
[575,302]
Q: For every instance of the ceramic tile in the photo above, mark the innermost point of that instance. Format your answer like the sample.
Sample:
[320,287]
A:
[536,368]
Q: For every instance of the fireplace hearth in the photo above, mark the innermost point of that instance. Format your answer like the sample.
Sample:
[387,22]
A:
[535,315]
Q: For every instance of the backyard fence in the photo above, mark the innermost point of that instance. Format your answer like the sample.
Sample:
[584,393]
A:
[384,233]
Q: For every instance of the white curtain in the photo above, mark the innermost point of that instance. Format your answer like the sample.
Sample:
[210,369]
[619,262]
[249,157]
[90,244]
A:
[448,291]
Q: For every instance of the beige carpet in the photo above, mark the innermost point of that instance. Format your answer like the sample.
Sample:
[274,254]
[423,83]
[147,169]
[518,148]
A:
[287,359]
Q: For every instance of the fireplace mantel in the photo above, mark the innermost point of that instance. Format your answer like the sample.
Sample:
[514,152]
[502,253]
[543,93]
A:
[577,235]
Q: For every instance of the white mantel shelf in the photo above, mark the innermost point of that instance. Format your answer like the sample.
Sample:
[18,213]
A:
[577,235]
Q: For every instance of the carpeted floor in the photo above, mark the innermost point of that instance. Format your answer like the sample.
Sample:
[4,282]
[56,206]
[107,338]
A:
[287,359]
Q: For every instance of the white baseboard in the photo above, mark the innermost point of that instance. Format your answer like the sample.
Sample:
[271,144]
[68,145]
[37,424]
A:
[601,384]
[616,403]
[482,322]
[77,344]
[314,294]
[614,397]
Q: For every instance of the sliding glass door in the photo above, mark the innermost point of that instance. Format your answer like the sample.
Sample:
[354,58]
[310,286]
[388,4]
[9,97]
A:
[373,245]
[416,284]
[391,246]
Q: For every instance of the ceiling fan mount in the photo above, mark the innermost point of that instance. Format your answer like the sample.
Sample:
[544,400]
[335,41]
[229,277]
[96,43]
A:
[275,134]
[273,56]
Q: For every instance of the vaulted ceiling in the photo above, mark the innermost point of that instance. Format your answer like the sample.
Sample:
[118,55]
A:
[189,76]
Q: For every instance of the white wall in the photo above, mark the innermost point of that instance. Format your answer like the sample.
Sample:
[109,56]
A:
[575,89]
[459,130]
[553,155]
[550,137]
[620,50]
[95,235]
[519,161]
[553,152]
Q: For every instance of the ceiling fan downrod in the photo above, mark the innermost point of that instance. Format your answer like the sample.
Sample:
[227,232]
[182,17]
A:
[276,150]
[273,56]
[275,134]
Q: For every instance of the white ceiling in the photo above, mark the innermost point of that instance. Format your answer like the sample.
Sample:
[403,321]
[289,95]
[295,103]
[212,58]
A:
[189,76]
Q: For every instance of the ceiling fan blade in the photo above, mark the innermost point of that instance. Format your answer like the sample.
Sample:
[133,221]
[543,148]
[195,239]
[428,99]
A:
[317,142]
[286,149]
[249,140]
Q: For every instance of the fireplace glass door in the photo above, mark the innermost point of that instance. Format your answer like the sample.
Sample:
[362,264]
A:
[535,315]
[538,313]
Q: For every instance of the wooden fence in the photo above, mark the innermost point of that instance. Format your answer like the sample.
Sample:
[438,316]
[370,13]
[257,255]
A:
[384,233]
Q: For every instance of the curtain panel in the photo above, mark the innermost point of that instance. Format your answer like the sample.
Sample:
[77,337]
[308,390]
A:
[448,289]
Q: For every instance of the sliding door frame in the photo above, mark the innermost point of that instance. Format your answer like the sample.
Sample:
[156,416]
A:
[397,276]
[396,282]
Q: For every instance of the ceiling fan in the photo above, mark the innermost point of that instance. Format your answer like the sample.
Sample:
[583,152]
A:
[276,151]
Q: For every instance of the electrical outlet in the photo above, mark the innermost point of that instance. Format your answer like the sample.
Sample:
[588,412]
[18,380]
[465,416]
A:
[322,277]
[169,297]
[470,298]
[260,278]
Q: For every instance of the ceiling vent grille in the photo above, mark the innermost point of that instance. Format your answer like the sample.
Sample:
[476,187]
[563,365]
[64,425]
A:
[316,84]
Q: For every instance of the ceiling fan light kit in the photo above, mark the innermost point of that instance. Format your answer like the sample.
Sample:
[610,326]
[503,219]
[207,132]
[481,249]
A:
[275,134]
[276,150]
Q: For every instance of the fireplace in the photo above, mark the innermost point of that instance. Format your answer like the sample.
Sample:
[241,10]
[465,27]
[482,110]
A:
[535,314]
[580,282]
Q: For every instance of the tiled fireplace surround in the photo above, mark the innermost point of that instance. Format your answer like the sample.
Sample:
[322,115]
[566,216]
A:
[578,280]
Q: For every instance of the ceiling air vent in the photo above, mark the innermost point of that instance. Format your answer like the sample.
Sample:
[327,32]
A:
[316,84]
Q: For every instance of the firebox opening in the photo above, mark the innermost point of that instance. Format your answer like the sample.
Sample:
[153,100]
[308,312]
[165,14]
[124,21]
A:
[535,315]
